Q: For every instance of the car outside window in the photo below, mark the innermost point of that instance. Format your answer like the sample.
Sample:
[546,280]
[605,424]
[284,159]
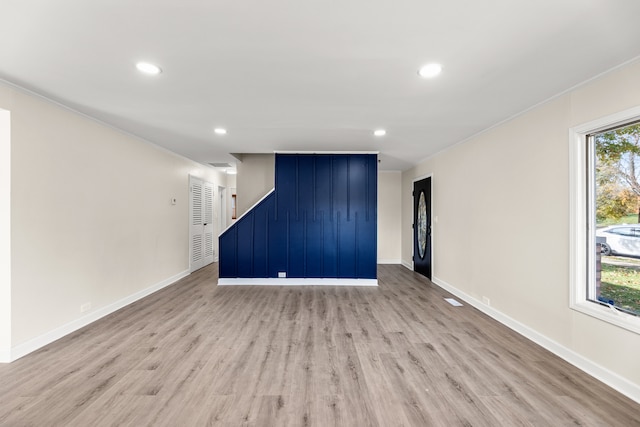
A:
[623,231]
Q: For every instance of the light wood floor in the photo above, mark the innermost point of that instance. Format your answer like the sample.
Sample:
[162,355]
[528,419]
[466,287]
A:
[195,354]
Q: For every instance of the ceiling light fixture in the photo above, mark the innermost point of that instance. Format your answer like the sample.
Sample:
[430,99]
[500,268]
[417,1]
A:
[232,172]
[430,70]
[147,68]
[380,132]
[220,131]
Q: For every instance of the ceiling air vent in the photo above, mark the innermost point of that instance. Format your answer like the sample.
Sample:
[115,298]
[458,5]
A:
[220,165]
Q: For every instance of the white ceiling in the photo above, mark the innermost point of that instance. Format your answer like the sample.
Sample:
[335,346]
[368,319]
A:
[310,74]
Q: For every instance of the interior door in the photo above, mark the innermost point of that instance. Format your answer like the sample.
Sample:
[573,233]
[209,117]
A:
[196,224]
[201,242]
[422,227]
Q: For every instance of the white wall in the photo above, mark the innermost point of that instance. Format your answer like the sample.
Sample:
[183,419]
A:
[5,234]
[92,221]
[256,177]
[389,210]
[502,199]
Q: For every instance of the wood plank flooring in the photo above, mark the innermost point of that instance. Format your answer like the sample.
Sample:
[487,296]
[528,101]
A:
[195,354]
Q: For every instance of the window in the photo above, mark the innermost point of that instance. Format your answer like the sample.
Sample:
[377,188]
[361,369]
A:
[605,217]
[622,231]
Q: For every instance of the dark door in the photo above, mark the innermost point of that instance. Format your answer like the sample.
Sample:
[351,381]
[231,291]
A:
[422,227]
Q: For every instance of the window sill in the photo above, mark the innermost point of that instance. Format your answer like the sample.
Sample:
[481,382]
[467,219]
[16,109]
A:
[609,315]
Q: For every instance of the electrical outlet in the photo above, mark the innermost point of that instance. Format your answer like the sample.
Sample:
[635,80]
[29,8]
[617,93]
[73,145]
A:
[85,307]
[486,300]
[282,274]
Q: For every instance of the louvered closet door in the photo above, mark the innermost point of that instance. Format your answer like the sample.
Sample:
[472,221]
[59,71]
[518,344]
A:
[196,228]
[208,251]
[201,243]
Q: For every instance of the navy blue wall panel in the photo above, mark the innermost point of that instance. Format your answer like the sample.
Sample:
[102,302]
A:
[296,244]
[321,221]
[313,247]
[245,246]
[330,242]
[324,186]
[286,191]
[346,246]
[306,187]
[260,239]
[227,248]
[278,251]
[340,190]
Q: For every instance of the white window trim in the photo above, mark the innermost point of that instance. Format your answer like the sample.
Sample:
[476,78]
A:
[578,276]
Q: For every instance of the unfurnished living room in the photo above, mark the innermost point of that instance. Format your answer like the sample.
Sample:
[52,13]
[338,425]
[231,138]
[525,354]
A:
[306,213]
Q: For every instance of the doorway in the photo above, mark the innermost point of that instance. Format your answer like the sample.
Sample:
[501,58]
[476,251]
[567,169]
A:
[422,227]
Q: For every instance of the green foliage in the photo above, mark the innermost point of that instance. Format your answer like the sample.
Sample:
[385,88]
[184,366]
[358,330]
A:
[611,145]
[617,172]
[613,203]
[626,219]
[622,285]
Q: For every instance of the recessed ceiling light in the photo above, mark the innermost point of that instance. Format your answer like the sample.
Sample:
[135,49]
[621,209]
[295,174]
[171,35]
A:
[430,70]
[220,131]
[147,68]
[380,132]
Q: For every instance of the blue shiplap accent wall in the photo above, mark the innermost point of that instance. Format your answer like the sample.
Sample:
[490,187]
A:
[320,222]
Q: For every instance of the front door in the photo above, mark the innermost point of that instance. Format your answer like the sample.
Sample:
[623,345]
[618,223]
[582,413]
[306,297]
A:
[422,227]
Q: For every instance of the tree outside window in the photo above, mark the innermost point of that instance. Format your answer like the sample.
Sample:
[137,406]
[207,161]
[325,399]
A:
[617,214]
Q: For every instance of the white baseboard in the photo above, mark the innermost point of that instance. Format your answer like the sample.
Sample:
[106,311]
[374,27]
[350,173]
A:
[389,261]
[5,355]
[291,281]
[59,332]
[409,265]
[613,380]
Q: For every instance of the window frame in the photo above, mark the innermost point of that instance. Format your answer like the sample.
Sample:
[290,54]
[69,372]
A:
[582,221]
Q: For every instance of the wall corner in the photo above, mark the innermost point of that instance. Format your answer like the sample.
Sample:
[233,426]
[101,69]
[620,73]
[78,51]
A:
[5,233]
